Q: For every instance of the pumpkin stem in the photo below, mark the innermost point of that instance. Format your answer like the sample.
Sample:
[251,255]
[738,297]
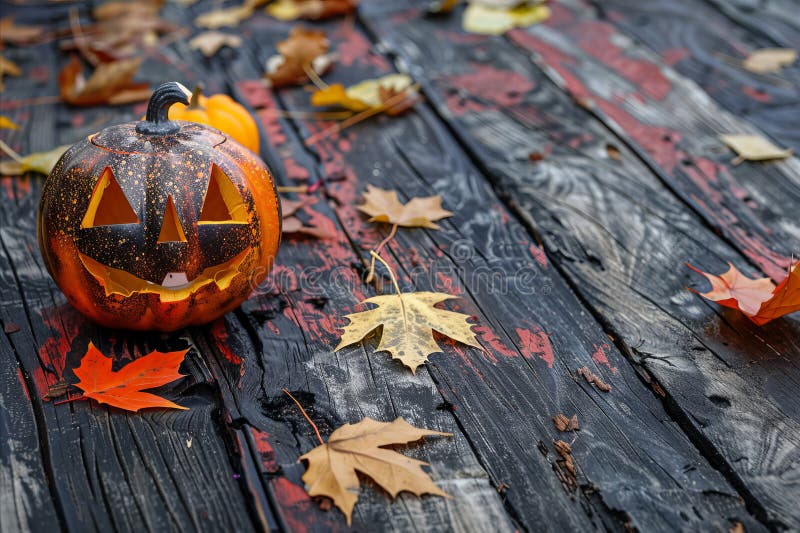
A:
[194,101]
[156,120]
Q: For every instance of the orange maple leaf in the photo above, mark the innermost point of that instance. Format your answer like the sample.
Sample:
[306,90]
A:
[123,388]
[759,299]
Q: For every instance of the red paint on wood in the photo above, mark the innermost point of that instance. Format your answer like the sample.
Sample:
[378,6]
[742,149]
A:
[538,254]
[756,94]
[601,358]
[64,323]
[220,334]
[300,512]
[352,47]
[266,452]
[504,88]
[673,56]
[535,342]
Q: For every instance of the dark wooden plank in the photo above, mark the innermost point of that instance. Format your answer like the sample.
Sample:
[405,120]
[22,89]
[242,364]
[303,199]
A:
[635,465]
[698,40]
[674,125]
[621,238]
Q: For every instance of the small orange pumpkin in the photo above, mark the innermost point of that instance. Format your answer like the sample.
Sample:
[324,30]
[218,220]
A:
[221,112]
[158,224]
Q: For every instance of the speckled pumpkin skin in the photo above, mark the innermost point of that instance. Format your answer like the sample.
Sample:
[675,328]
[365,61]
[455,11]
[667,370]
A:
[149,169]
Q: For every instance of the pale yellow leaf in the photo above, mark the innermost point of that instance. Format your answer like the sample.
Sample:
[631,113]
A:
[284,10]
[219,18]
[7,124]
[333,466]
[408,320]
[755,147]
[383,206]
[209,42]
[42,162]
[485,20]
[769,60]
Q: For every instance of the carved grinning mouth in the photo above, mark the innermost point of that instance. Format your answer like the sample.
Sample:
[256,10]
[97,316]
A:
[174,288]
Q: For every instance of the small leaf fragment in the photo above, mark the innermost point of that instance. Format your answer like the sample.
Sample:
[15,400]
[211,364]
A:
[7,124]
[754,147]
[352,448]
[11,33]
[310,9]
[303,49]
[769,60]
[110,83]
[210,42]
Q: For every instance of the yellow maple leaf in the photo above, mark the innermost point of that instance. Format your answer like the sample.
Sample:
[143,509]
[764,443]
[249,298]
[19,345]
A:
[496,20]
[352,448]
[754,148]
[408,321]
[42,162]
[363,95]
[383,206]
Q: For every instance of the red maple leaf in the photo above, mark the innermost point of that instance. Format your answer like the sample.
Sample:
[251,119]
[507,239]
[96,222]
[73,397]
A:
[759,299]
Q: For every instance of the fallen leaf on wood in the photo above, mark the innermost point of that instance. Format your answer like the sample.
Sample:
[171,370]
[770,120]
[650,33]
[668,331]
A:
[367,94]
[304,49]
[124,387]
[117,9]
[593,379]
[230,16]
[310,9]
[11,33]
[562,423]
[759,299]
[485,20]
[41,162]
[352,448]
[7,124]
[408,320]
[769,60]
[110,83]
[10,327]
[209,42]
[566,465]
[383,206]
[754,148]
[8,68]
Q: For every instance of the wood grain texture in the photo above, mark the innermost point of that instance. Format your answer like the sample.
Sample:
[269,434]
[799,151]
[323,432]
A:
[674,125]
[707,41]
[621,238]
[535,333]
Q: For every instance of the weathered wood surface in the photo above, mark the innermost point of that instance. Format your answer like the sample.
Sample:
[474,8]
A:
[706,41]
[621,237]
[574,260]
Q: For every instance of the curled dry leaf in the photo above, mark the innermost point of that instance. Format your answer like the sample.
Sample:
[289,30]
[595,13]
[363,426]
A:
[488,20]
[41,162]
[769,60]
[333,466]
[7,124]
[209,42]
[124,387]
[754,148]
[110,83]
[230,16]
[8,68]
[370,94]
[11,33]
[759,299]
[310,9]
[304,49]
[383,206]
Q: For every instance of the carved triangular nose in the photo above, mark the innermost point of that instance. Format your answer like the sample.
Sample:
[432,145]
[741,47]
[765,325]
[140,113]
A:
[171,229]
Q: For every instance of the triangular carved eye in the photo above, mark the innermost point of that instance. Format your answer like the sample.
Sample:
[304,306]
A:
[222,204]
[108,204]
[171,229]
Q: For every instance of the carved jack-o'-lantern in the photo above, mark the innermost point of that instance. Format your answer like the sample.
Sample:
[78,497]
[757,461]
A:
[158,224]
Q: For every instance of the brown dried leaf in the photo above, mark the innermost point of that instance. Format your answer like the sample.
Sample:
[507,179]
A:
[333,467]
[110,83]
[209,42]
[304,49]
[562,423]
[11,33]
[383,206]
[310,9]
[594,379]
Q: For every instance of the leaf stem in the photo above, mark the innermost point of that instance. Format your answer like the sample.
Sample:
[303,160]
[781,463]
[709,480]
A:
[378,249]
[69,400]
[391,273]
[313,425]
[314,77]
[10,152]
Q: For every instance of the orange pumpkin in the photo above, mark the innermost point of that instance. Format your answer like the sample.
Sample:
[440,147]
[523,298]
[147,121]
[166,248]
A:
[221,112]
[158,224]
